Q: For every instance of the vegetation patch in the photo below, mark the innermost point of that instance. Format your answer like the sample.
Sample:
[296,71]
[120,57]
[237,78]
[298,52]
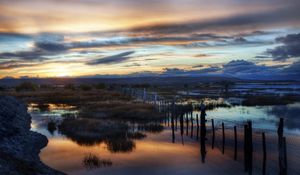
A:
[117,135]
[92,161]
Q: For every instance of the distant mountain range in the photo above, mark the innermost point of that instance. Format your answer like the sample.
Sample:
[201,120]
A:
[119,79]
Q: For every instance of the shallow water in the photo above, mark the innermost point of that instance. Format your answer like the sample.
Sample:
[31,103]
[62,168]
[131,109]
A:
[156,154]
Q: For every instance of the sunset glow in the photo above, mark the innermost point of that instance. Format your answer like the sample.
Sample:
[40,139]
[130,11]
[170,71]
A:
[72,38]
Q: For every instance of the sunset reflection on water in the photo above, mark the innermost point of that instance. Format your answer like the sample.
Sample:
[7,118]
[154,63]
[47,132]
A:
[154,154]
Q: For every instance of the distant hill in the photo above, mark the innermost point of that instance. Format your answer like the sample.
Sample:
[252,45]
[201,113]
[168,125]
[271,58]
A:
[153,80]
[123,80]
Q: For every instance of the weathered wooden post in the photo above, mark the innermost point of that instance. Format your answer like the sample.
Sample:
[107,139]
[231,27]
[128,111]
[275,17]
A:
[264,153]
[173,132]
[176,123]
[192,125]
[197,121]
[281,149]
[285,156]
[187,124]
[235,143]
[223,138]
[245,147]
[165,111]
[213,134]
[203,132]
[250,151]
[181,127]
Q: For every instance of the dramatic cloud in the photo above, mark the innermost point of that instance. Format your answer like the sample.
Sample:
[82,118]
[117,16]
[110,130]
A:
[121,41]
[8,65]
[50,47]
[133,65]
[112,59]
[24,55]
[4,36]
[59,16]
[289,49]
[51,44]
[226,41]
[243,21]
[187,38]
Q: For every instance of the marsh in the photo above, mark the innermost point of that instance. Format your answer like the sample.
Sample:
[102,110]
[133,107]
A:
[140,145]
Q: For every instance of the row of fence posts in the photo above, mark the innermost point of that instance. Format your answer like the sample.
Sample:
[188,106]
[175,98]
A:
[248,147]
[248,142]
[170,111]
[151,97]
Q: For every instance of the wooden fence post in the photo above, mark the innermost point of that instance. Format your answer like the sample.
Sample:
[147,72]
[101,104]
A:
[245,147]
[181,127]
[197,120]
[173,132]
[284,152]
[235,143]
[264,153]
[192,125]
[250,151]
[213,133]
[223,138]
[187,124]
[281,149]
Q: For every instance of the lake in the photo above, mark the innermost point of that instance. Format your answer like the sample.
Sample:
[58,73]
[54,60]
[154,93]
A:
[158,153]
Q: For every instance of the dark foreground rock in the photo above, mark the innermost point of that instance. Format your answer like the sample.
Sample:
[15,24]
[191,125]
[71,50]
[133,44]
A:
[19,147]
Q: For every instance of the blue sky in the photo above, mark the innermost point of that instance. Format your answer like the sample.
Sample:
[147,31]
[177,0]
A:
[57,38]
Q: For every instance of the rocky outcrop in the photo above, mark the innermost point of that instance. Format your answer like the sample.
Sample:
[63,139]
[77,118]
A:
[19,147]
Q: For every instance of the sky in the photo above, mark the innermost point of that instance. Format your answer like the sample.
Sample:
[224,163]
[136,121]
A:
[257,39]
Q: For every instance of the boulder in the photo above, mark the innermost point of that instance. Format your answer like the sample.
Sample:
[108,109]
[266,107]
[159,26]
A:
[19,147]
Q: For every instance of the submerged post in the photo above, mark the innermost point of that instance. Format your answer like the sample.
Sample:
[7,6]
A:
[173,132]
[187,124]
[197,121]
[192,125]
[250,151]
[181,127]
[264,153]
[245,147]
[223,138]
[203,132]
[284,152]
[235,143]
[281,149]
[213,134]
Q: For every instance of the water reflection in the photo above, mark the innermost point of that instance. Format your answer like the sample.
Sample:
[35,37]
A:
[291,113]
[203,133]
[52,127]
[74,152]
[151,127]
[118,136]
[91,161]
[50,107]
[120,145]
[263,117]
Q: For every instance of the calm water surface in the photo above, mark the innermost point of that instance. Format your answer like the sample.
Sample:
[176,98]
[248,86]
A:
[156,154]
